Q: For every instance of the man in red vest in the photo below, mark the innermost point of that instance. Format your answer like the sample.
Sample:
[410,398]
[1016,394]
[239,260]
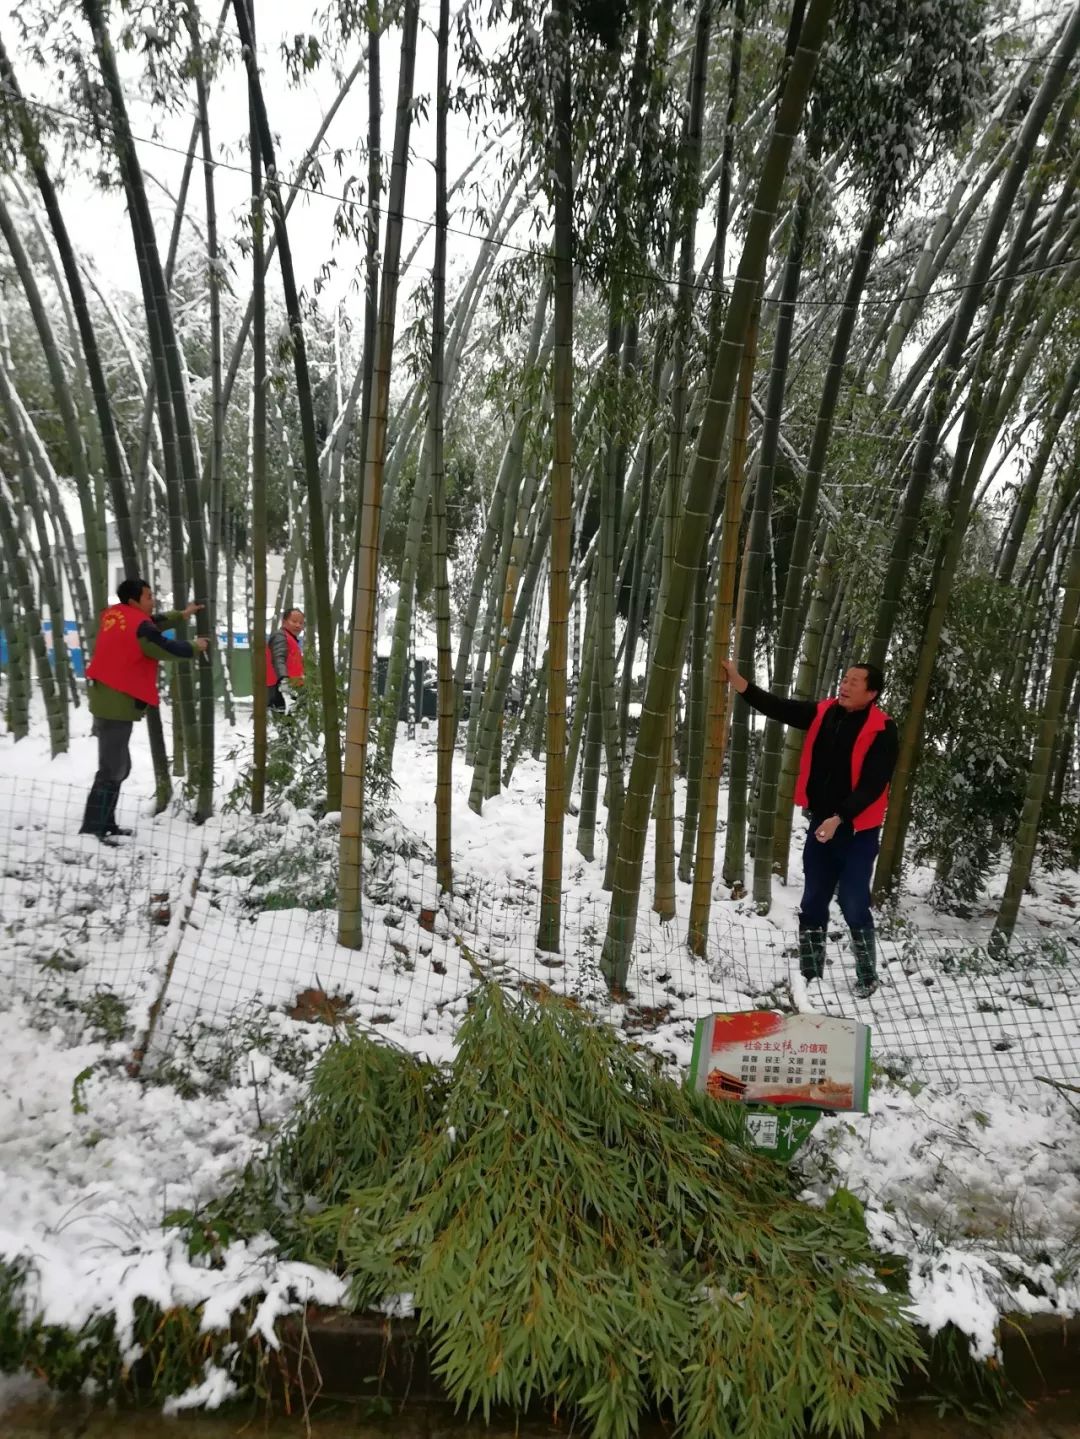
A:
[285,658]
[847,762]
[124,685]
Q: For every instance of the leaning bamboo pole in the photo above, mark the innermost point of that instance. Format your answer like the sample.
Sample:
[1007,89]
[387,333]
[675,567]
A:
[350,870]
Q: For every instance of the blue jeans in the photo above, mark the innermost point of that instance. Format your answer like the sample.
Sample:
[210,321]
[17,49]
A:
[843,867]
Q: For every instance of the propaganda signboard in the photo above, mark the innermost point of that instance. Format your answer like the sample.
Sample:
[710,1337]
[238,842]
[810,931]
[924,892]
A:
[781,1059]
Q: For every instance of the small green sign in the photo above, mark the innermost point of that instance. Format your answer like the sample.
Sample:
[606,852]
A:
[779,1133]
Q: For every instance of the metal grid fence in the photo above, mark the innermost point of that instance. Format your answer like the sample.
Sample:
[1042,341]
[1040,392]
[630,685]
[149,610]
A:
[191,930]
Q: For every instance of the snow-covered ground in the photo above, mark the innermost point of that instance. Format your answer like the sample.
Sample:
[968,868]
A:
[967,1165]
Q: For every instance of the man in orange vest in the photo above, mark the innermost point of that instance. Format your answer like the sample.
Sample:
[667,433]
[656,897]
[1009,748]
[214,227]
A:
[124,685]
[847,762]
[285,658]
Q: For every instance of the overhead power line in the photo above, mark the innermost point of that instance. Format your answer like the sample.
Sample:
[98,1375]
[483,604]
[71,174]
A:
[650,276]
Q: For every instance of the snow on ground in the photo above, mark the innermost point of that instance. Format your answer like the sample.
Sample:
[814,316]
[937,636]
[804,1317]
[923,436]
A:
[967,1165]
[92,1165]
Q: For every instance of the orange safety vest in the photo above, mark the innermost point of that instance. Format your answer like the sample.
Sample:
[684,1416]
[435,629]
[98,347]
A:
[118,658]
[874,814]
[294,660]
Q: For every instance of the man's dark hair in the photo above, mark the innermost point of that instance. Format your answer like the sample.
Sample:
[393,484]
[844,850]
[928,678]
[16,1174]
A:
[290,610]
[129,592]
[875,680]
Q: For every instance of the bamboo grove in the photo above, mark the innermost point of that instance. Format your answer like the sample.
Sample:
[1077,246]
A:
[764,347]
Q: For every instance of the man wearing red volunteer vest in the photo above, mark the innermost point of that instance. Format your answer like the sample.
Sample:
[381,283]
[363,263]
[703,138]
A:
[847,762]
[284,659]
[123,686]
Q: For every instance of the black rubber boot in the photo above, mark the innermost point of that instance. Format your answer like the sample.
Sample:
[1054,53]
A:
[811,953]
[96,814]
[100,808]
[864,945]
[111,827]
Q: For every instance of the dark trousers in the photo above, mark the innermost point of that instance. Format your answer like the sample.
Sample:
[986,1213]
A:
[114,750]
[843,868]
[114,766]
[275,700]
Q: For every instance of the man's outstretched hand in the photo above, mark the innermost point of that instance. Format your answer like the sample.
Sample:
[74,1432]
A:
[192,609]
[733,676]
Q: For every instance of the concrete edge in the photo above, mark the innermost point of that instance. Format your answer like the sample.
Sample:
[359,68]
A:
[357,1357]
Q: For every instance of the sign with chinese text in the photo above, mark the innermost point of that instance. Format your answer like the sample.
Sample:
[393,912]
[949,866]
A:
[777,1132]
[760,1057]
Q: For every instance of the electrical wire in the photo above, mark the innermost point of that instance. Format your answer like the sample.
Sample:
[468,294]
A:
[673,281]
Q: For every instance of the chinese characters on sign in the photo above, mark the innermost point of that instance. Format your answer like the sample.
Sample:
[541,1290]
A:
[785,1069]
[782,1059]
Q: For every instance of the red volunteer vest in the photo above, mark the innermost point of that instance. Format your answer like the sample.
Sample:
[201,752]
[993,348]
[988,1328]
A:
[294,660]
[874,814]
[118,659]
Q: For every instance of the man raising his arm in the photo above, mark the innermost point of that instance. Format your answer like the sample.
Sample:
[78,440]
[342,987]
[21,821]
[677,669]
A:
[847,762]
[124,685]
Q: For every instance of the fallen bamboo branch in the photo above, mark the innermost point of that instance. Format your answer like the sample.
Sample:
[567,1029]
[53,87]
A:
[188,893]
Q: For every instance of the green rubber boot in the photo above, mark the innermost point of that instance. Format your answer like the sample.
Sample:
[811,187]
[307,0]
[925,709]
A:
[811,953]
[865,949]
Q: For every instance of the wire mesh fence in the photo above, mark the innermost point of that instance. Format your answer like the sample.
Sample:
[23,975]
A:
[194,933]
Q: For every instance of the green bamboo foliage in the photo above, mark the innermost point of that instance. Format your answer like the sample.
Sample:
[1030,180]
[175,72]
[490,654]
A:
[724,1299]
[689,186]
[859,437]
[44,494]
[65,403]
[694,752]
[350,931]
[396,678]
[115,466]
[963,319]
[504,493]
[611,486]
[502,670]
[718,697]
[257,626]
[1066,656]
[792,606]
[964,474]
[637,558]
[701,490]
[446,708]
[561,506]
[590,768]
[317,526]
[16,565]
[172,398]
[1035,473]
[215,459]
[16,671]
[28,496]
[1060,512]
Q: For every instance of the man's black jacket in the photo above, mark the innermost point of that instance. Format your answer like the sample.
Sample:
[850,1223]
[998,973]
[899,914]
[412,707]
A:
[828,789]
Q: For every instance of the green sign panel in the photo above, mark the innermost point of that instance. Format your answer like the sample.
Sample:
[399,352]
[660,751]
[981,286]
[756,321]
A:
[785,1070]
[777,1132]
